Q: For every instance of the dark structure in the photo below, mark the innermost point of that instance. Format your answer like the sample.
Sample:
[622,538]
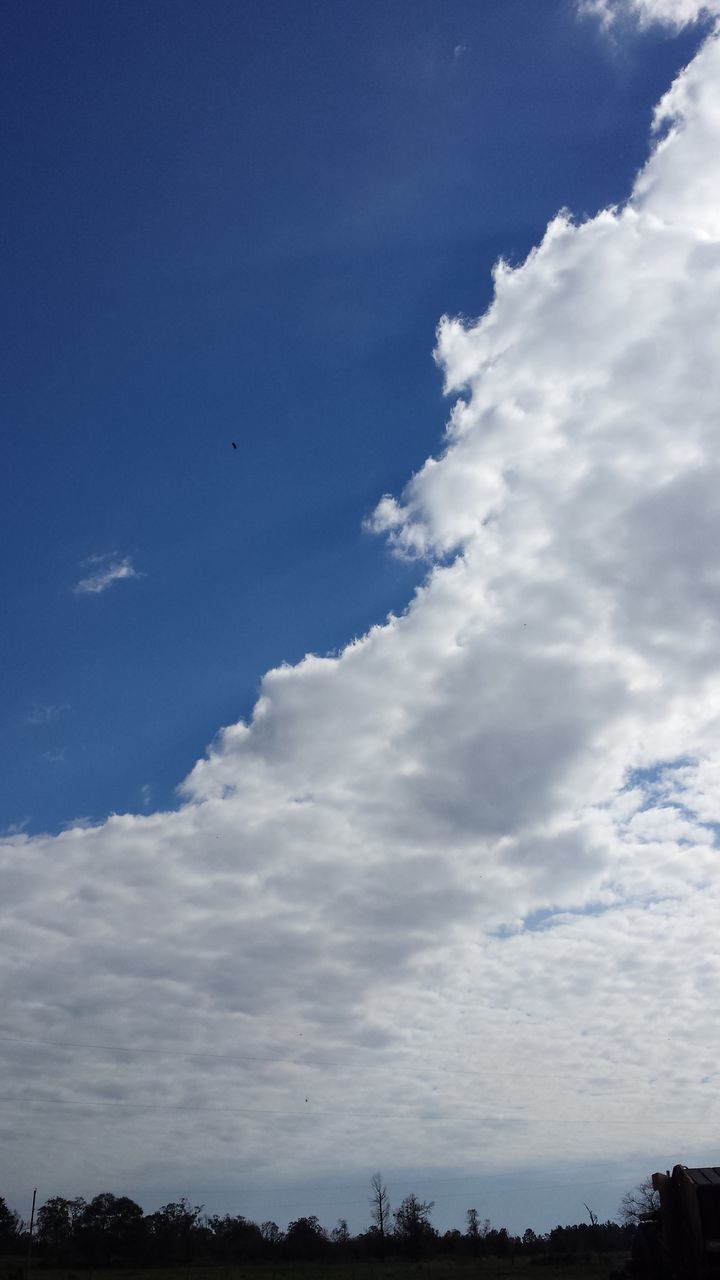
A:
[681,1239]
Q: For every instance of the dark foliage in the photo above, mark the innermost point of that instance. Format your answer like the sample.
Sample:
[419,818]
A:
[109,1231]
[305,1240]
[10,1229]
[112,1231]
[414,1233]
[176,1235]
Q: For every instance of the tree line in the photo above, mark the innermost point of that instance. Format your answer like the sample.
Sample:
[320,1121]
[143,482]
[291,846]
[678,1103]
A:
[113,1231]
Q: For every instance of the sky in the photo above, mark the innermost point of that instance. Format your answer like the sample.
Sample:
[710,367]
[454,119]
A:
[360,787]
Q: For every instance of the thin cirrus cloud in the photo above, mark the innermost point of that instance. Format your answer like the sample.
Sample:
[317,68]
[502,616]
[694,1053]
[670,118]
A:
[449,897]
[105,570]
[46,712]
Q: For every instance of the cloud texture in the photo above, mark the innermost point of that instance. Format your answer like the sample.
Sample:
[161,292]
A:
[106,570]
[672,13]
[451,897]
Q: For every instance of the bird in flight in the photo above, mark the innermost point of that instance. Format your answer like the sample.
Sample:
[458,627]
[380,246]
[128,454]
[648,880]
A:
[233,444]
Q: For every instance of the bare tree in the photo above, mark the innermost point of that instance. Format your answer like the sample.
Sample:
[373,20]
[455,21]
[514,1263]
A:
[642,1199]
[380,1207]
[592,1216]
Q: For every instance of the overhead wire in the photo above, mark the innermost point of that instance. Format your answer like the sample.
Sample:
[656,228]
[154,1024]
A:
[480,1072]
[362,1113]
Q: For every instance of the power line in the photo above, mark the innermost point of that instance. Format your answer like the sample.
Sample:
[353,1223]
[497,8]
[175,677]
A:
[309,1112]
[318,1062]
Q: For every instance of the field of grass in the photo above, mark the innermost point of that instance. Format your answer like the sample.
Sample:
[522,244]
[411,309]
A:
[438,1269]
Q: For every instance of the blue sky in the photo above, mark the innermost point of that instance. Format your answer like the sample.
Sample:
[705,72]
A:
[311,949]
[243,223]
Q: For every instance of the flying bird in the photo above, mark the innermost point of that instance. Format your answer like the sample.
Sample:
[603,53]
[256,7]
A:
[233,444]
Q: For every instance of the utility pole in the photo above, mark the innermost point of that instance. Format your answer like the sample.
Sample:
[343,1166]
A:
[30,1233]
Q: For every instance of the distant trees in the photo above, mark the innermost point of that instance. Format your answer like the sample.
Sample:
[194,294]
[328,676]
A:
[588,1238]
[112,1231]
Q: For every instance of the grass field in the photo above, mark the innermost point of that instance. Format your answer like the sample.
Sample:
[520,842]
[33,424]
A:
[438,1269]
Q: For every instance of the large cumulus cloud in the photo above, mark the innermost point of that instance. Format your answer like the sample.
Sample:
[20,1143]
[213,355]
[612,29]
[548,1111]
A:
[479,839]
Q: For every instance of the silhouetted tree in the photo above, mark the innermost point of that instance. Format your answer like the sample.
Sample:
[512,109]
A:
[271,1234]
[413,1229]
[452,1241]
[56,1228]
[234,1239]
[109,1230]
[380,1209]
[642,1199]
[10,1229]
[476,1230]
[305,1239]
[175,1232]
[497,1241]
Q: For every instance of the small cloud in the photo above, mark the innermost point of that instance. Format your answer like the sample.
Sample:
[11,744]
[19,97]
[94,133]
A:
[55,756]
[459,52]
[15,828]
[146,793]
[108,569]
[41,713]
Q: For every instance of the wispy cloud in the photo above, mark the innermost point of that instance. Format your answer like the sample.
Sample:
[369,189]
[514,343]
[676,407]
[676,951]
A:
[15,828]
[107,570]
[45,713]
[82,823]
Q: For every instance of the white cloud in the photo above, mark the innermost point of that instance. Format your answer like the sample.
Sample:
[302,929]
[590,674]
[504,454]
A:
[673,13]
[107,569]
[458,886]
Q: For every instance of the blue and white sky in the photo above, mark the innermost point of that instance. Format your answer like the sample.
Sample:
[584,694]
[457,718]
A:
[440,898]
